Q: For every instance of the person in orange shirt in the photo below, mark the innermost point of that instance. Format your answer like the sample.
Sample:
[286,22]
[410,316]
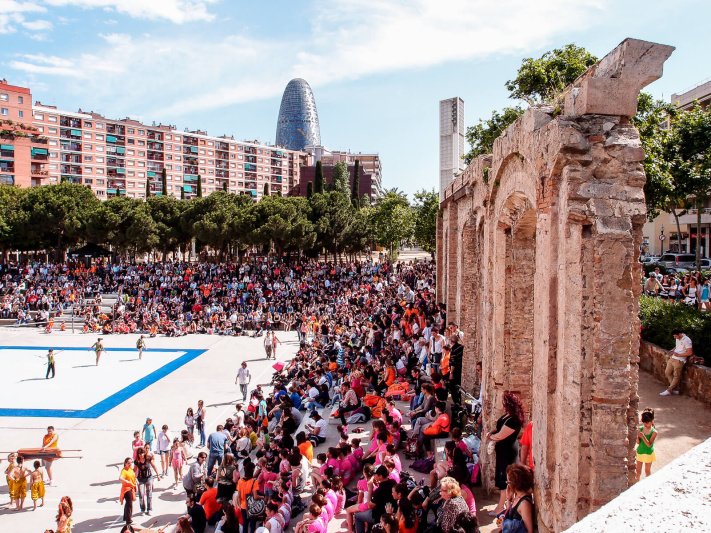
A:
[50,440]
[127,477]
[305,446]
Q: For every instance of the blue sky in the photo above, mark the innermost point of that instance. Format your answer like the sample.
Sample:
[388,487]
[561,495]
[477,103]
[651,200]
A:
[377,67]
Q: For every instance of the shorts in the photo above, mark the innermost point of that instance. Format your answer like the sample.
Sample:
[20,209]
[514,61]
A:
[37,491]
[166,452]
[363,507]
[647,457]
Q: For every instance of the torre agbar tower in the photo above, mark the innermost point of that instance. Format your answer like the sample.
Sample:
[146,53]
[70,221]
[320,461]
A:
[297,125]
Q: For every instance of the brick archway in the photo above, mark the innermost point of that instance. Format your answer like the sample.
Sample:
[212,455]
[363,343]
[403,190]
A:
[553,220]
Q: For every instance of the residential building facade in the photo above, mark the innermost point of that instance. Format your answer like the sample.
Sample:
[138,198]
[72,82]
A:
[365,182]
[370,162]
[120,157]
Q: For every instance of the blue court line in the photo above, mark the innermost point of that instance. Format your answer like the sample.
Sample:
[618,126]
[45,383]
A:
[98,409]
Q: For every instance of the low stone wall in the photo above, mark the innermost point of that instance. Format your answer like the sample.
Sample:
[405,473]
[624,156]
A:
[673,499]
[695,382]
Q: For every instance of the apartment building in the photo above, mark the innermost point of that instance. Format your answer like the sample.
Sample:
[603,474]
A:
[122,157]
[370,163]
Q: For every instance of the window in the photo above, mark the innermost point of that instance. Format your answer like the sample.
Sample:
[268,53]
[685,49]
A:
[141,164]
[4,97]
[210,143]
[99,137]
[88,181]
[233,175]
[99,193]
[241,147]
[53,143]
[169,157]
[259,160]
[169,137]
[260,150]
[130,152]
[170,187]
[168,146]
[141,132]
[87,135]
[131,195]
[177,167]
[177,137]
[88,146]
[99,182]
[40,129]
[53,154]
[20,100]
[202,152]
[4,111]
[232,147]
[87,124]
[141,143]
[131,173]
[88,170]
[20,114]
[141,174]
[88,158]
[241,156]
[210,152]
[39,117]
[232,165]
[51,119]
[52,130]
[130,131]
[141,153]
[99,148]
[52,167]
[130,163]
[202,161]
[131,184]
[239,184]
[130,141]
[99,159]
[99,126]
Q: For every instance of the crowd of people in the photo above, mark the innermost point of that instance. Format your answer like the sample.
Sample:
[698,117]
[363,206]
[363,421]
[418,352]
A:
[692,288]
[377,355]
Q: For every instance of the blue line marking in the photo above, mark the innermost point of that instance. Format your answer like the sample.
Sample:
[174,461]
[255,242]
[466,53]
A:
[102,407]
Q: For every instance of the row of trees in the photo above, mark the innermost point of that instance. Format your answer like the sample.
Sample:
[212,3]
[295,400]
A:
[677,143]
[56,217]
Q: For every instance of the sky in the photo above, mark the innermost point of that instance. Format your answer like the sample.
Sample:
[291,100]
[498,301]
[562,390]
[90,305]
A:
[378,68]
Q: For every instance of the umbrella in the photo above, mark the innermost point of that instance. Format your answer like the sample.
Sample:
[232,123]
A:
[278,366]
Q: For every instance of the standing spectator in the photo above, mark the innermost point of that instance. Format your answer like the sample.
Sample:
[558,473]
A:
[128,490]
[675,364]
[216,444]
[507,429]
[200,421]
[519,503]
[142,467]
[526,452]
[164,441]
[195,478]
[243,379]
[455,368]
[148,433]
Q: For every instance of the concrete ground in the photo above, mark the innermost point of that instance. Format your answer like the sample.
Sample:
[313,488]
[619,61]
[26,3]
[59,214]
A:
[92,482]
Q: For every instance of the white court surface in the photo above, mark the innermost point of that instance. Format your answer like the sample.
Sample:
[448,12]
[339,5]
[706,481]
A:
[79,388]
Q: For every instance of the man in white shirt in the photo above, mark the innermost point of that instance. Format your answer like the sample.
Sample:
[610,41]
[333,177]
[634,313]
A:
[317,430]
[675,365]
[243,379]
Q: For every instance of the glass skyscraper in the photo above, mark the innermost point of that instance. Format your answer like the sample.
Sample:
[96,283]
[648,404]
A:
[297,125]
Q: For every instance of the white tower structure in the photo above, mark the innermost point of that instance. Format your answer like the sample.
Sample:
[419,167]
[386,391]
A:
[451,141]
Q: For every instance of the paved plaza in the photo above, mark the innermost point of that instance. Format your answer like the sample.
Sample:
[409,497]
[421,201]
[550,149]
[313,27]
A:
[97,409]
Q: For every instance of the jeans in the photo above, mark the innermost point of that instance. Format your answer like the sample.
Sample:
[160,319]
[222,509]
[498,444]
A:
[248,524]
[212,460]
[50,367]
[128,507]
[362,518]
[243,390]
[343,411]
[202,435]
[673,372]
[145,494]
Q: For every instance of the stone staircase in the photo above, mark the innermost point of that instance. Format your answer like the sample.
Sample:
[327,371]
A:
[107,304]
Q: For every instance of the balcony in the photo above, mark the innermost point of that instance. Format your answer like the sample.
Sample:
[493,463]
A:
[7,166]
[220,164]
[115,129]
[116,172]
[250,175]
[190,169]
[250,150]
[222,155]
[68,158]
[252,168]
[39,154]
[250,159]
[691,217]
[155,157]
[70,147]
[222,174]
[155,146]
[276,162]
[153,136]
[191,141]
[67,169]
[116,184]
[190,150]
[70,122]
[70,134]
[71,179]
[155,168]
[250,185]
[116,163]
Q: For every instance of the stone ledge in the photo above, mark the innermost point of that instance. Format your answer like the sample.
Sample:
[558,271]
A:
[695,381]
[673,499]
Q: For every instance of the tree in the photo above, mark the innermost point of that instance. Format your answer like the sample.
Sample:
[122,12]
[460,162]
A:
[538,81]
[182,192]
[56,216]
[542,80]
[164,182]
[355,190]
[309,189]
[148,188]
[392,220]
[332,214]
[426,209]
[11,217]
[482,136]
[284,223]
[166,213]
[318,179]
[689,150]
[198,192]
[266,190]
[341,181]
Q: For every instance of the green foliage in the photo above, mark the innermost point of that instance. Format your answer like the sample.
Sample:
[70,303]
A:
[166,212]
[265,192]
[425,226]
[11,216]
[332,215]
[542,80]
[148,187]
[341,180]
[283,222]
[650,267]
[309,189]
[659,317]
[182,192]
[56,216]
[392,220]
[319,183]
[482,136]
[198,192]
[355,190]
[164,182]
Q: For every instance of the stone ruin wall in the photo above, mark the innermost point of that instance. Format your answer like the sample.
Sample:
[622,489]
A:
[537,253]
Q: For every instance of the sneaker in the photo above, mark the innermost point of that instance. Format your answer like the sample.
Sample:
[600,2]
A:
[675,392]
[665,393]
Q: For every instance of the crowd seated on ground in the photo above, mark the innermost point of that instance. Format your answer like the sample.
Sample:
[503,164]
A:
[372,337]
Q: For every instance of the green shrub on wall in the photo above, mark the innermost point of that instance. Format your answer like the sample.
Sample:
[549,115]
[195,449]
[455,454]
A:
[659,317]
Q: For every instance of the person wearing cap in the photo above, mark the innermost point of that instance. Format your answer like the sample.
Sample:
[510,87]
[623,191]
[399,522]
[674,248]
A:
[148,433]
[317,430]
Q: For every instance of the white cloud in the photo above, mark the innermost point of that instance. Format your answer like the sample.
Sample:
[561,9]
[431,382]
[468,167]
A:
[38,25]
[177,11]
[12,14]
[166,77]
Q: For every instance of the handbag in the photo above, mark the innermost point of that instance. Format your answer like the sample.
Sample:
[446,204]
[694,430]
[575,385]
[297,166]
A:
[255,507]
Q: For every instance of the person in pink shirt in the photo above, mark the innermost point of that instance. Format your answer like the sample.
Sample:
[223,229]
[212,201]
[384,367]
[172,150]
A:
[337,486]
[357,455]
[392,473]
[382,440]
[318,525]
[469,498]
[397,415]
[390,453]
[328,509]
[345,466]
[363,496]
[332,461]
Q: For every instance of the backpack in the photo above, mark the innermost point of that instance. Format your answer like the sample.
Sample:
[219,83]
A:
[423,465]
[412,448]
